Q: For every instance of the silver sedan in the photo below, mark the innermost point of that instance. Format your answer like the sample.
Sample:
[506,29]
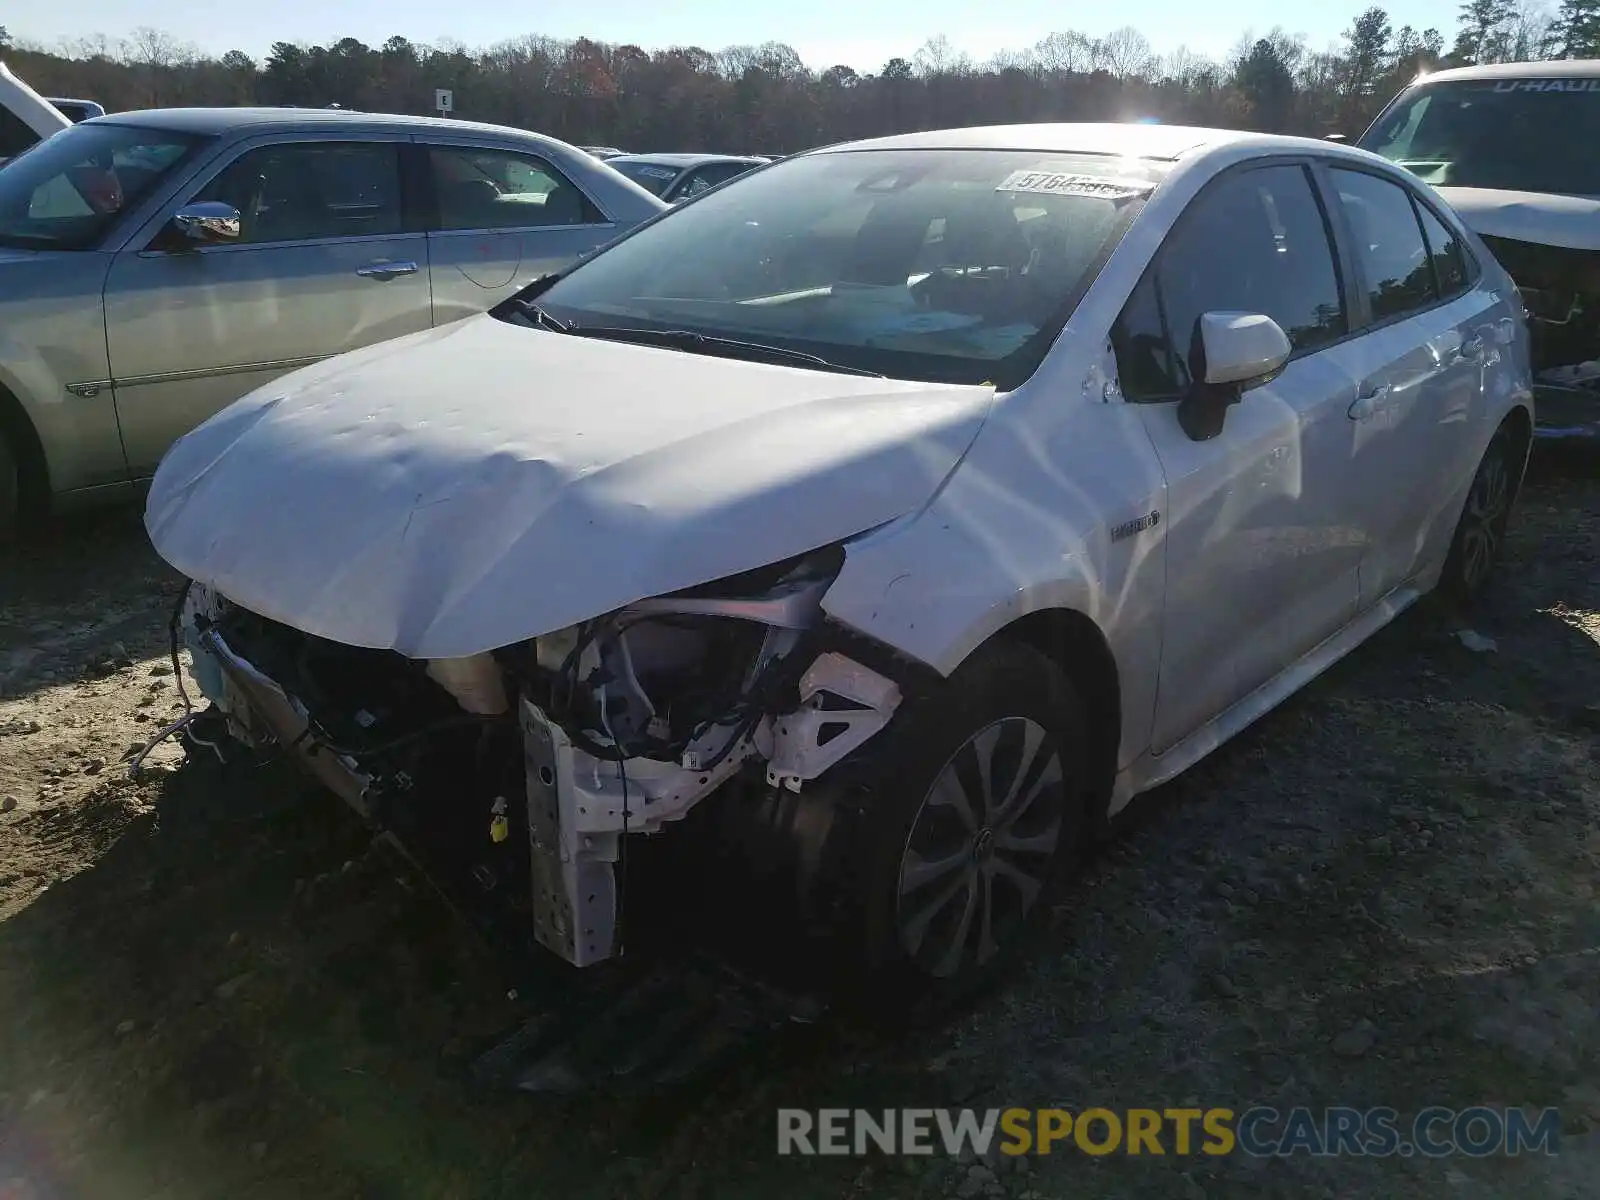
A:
[156,266]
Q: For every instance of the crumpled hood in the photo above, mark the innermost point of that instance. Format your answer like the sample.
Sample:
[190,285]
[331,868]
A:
[1569,222]
[467,487]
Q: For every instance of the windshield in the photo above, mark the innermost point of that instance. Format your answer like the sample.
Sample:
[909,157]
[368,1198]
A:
[65,192]
[952,265]
[1521,135]
[653,177]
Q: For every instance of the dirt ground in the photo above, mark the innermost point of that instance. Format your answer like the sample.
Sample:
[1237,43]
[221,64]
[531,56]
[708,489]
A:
[1385,893]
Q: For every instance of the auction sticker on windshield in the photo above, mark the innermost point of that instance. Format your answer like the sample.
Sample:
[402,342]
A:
[1068,183]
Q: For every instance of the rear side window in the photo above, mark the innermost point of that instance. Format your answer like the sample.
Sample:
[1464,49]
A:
[1444,248]
[1256,241]
[1388,244]
[15,135]
[498,189]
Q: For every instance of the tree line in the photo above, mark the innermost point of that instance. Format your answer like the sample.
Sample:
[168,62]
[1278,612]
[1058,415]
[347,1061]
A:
[764,99]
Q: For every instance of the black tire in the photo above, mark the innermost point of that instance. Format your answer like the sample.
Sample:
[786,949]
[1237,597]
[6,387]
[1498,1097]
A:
[10,491]
[909,954]
[1481,530]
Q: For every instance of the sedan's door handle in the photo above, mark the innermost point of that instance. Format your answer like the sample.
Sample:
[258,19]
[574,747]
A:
[386,270]
[1368,401]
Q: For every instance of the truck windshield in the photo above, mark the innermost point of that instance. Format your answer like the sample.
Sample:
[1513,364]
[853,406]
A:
[1520,135]
[65,192]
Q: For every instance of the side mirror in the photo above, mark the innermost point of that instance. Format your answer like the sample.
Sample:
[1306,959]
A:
[208,223]
[1231,353]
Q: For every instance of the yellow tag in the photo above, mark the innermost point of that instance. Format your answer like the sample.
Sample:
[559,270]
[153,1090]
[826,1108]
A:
[499,829]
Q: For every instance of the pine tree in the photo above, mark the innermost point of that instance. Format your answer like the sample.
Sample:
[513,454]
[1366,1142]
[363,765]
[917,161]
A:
[1577,29]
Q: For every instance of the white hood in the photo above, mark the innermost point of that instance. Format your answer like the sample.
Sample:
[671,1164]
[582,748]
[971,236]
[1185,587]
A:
[467,487]
[32,109]
[1567,222]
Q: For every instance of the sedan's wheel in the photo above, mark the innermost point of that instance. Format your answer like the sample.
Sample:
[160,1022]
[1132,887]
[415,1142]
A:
[975,802]
[1481,532]
[981,847]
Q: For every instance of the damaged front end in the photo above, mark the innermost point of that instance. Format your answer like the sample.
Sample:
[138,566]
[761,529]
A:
[1560,290]
[515,777]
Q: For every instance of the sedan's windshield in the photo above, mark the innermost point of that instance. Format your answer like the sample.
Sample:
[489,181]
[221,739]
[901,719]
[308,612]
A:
[1522,135]
[952,265]
[64,193]
[653,177]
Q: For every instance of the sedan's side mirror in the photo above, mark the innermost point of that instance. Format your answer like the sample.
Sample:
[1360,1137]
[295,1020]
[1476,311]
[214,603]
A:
[1231,353]
[208,223]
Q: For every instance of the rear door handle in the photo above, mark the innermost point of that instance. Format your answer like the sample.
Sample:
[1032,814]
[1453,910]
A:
[386,270]
[1368,402]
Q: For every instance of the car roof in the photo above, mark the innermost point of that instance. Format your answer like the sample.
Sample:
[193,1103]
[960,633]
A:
[214,121]
[685,160]
[1130,139]
[1561,68]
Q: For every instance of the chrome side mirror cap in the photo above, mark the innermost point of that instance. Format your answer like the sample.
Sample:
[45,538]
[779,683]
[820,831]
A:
[208,223]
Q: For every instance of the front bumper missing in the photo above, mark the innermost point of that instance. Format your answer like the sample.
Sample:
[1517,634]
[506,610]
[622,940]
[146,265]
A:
[251,700]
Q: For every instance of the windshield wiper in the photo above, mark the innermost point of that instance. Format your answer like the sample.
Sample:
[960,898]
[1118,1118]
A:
[541,316]
[688,339]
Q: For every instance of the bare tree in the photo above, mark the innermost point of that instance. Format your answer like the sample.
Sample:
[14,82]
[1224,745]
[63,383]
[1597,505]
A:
[1126,53]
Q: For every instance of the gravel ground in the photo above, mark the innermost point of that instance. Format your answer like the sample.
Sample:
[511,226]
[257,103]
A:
[1382,894]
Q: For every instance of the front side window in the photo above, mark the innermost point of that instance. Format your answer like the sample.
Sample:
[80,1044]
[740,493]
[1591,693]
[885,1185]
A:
[499,189]
[305,191]
[1255,241]
[956,265]
[1388,243]
[1521,135]
[69,190]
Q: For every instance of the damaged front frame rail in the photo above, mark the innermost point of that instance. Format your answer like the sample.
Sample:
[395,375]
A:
[581,805]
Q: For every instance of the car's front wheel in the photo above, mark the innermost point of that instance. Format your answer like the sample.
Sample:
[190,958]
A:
[976,806]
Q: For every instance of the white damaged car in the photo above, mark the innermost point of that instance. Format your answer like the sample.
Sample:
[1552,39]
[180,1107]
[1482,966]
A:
[912,503]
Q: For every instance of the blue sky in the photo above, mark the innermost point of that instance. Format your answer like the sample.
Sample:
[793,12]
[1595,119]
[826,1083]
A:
[823,31]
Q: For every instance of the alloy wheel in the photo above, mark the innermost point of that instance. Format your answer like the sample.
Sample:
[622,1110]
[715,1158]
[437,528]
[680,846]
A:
[981,847]
[1483,522]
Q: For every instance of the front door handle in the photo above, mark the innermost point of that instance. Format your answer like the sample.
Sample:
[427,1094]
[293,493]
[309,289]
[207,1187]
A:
[1367,403]
[386,270]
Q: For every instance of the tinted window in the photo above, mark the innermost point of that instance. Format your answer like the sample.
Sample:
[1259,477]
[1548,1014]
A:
[69,190]
[1256,242]
[15,135]
[1146,368]
[1511,134]
[1387,243]
[952,265]
[300,191]
[496,189]
[1449,258]
[709,176]
[655,178]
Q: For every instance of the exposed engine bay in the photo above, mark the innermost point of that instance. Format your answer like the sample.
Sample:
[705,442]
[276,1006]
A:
[1560,289]
[521,772]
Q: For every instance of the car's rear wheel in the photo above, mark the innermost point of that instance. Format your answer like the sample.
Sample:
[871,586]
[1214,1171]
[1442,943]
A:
[976,806]
[1481,531]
